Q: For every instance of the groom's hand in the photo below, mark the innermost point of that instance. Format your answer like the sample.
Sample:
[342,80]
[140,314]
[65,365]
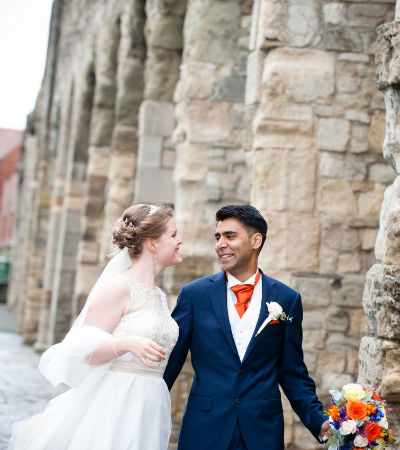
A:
[326,430]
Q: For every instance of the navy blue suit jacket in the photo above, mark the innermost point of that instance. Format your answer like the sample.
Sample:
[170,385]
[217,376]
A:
[225,389]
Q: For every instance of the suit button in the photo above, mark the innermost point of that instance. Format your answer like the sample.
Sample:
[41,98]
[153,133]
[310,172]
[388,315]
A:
[241,372]
[238,401]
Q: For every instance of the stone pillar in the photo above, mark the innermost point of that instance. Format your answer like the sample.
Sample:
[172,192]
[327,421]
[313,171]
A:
[380,348]
[314,125]
[210,169]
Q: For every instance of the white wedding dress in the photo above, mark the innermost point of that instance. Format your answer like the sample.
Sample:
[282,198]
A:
[122,405]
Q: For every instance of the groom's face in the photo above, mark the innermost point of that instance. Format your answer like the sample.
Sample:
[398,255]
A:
[234,246]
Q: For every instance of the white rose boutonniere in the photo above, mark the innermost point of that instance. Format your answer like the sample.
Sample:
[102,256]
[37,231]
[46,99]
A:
[275,312]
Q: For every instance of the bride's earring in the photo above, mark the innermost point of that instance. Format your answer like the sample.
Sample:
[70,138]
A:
[155,255]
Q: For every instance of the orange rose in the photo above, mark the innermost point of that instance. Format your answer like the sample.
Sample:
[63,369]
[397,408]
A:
[373,431]
[356,409]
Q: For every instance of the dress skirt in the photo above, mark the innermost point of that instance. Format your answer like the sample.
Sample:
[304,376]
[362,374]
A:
[124,411]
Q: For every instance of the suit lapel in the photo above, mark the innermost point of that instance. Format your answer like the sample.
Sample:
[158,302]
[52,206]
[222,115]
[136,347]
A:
[217,291]
[269,294]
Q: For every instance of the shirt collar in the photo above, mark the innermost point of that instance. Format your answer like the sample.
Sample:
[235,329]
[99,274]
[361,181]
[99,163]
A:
[232,281]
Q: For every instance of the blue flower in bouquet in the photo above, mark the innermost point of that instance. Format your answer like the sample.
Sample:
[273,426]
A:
[346,446]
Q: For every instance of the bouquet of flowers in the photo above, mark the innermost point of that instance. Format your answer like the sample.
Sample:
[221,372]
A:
[358,421]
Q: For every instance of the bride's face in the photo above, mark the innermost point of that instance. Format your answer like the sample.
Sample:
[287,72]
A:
[167,247]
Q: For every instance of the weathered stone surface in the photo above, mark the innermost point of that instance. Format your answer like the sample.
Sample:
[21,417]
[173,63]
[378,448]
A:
[197,80]
[333,134]
[377,133]
[381,173]
[331,165]
[349,263]
[336,319]
[294,75]
[368,238]
[332,361]
[369,202]
[314,339]
[391,379]
[282,125]
[334,13]
[211,30]
[350,291]
[191,162]
[255,63]
[205,121]
[338,237]
[315,292]
[371,362]
[335,197]
[156,118]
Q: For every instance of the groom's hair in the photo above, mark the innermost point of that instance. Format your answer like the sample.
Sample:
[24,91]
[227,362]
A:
[249,216]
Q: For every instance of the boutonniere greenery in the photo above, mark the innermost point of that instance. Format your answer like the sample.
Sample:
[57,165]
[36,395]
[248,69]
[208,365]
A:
[275,313]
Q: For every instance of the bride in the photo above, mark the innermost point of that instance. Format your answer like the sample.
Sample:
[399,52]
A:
[115,355]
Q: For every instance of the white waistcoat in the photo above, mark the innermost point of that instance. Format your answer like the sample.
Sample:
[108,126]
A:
[243,328]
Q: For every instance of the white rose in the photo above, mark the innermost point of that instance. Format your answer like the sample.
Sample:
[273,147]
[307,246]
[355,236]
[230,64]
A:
[348,427]
[274,309]
[383,423]
[360,441]
[353,391]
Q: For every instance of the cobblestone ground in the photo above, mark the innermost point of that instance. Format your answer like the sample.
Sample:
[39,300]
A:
[24,391]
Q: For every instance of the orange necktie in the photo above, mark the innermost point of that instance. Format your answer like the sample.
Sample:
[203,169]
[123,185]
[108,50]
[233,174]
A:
[243,294]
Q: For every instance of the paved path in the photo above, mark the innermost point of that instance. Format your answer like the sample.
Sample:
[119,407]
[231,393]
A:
[24,391]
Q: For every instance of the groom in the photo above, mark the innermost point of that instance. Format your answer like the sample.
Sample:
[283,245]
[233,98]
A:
[235,402]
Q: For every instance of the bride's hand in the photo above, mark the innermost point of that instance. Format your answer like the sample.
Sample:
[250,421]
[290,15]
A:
[143,348]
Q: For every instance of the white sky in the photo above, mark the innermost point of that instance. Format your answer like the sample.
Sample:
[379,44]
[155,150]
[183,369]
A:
[24,30]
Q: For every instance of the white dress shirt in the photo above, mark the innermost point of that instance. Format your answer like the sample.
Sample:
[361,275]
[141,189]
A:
[243,328]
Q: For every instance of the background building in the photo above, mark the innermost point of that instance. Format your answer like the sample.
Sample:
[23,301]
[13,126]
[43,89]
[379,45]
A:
[199,104]
[10,149]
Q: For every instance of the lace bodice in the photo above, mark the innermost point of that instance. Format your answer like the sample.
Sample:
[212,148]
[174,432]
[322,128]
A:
[149,317]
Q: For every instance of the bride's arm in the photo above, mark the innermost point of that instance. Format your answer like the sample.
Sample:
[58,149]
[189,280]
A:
[105,312]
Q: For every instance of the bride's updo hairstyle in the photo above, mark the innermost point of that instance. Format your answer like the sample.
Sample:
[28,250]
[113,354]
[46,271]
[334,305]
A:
[137,224]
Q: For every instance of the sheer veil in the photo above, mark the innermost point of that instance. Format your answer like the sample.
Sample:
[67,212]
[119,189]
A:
[66,362]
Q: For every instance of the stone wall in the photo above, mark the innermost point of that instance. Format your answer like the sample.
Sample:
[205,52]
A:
[380,349]
[200,104]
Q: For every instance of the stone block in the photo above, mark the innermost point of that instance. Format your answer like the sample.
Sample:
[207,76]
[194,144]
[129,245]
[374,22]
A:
[354,57]
[197,80]
[302,23]
[336,379]
[310,360]
[211,31]
[302,240]
[303,438]
[154,186]
[381,173]
[125,139]
[332,361]
[331,165]
[295,75]
[352,362]
[334,13]
[333,134]
[377,133]
[391,379]
[358,116]
[150,151]
[349,292]
[101,126]
[335,196]
[355,169]
[122,165]
[328,259]
[156,118]
[191,162]
[389,323]
[204,121]
[339,237]
[282,125]
[369,203]
[99,164]
[357,322]
[340,340]
[372,360]
[343,39]
[168,159]
[166,31]
[85,279]
[315,292]
[368,238]
[349,263]
[336,319]
[231,89]
[348,84]
[88,252]
[359,138]
[255,63]
[312,320]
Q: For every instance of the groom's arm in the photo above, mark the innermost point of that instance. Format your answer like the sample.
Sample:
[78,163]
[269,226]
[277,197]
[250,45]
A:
[299,388]
[182,314]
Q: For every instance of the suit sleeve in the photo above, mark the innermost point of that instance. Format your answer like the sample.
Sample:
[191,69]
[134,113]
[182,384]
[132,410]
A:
[182,314]
[299,388]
